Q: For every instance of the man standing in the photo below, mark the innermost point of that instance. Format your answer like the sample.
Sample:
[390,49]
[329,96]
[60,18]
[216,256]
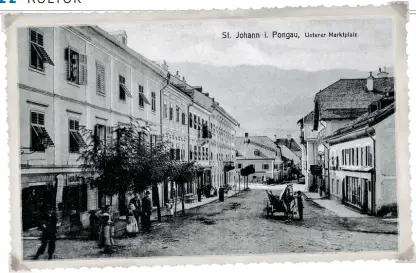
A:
[146,211]
[138,207]
[49,229]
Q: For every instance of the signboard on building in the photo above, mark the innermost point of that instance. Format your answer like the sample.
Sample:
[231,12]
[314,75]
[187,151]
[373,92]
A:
[316,170]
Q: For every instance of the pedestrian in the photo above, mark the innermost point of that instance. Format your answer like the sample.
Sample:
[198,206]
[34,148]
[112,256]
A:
[49,229]
[137,204]
[146,211]
[105,212]
[108,232]
[94,225]
[300,204]
[169,211]
[132,227]
[199,193]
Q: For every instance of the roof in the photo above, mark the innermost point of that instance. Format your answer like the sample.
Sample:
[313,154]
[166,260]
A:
[290,144]
[349,98]
[368,119]
[263,144]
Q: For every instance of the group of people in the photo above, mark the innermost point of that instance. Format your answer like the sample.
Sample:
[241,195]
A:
[138,210]
[101,224]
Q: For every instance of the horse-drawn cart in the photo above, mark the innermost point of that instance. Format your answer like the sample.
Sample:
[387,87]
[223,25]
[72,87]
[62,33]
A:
[287,203]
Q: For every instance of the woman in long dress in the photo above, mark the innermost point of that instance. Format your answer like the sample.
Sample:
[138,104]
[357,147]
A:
[132,227]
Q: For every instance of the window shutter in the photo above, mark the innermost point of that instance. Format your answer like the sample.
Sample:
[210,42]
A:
[108,134]
[66,55]
[95,137]
[83,70]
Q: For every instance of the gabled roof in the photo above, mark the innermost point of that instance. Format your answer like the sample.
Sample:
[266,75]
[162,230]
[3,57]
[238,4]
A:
[349,98]
[263,144]
[290,144]
[368,119]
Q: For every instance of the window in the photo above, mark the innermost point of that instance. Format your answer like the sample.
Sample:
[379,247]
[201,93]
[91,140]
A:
[183,119]
[123,91]
[177,114]
[195,122]
[276,166]
[100,133]
[76,67]
[38,54]
[362,159]
[239,166]
[256,152]
[211,156]
[190,120]
[199,153]
[353,157]
[195,153]
[39,137]
[265,166]
[153,101]
[369,156]
[165,109]
[100,69]
[171,112]
[142,97]
[357,157]
[75,139]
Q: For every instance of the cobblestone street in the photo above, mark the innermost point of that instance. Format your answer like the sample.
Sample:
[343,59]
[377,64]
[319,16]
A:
[238,226]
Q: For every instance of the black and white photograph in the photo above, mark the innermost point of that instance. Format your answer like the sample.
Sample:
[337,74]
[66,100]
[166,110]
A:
[161,138]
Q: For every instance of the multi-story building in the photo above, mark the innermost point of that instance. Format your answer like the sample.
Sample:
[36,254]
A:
[336,106]
[363,161]
[309,147]
[262,153]
[72,78]
[224,128]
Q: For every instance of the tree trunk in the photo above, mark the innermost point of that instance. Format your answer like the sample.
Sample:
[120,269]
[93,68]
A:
[183,198]
[159,213]
[176,200]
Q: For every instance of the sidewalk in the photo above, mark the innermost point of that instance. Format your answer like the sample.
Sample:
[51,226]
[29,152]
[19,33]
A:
[121,223]
[334,206]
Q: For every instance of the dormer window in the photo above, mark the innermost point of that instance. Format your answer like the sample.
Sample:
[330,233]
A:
[256,152]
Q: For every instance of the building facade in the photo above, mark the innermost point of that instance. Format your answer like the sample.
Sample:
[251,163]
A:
[73,79]
[363,160]
[263,154]
[336,106]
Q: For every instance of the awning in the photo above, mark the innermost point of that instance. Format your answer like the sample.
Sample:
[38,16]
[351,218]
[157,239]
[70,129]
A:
[78,138]
[125,89]
[41,132]
[42,54]
[143,97]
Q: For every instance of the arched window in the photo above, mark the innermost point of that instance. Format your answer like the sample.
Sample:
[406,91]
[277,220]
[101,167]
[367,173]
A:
[256,152]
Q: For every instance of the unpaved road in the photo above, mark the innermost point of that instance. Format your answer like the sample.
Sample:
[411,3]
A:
[238,226]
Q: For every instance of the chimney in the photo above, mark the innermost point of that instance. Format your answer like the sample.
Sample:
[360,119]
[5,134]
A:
[121,36]
[165,65]
[289,137]
[382,73]
[370,82]
[183,79]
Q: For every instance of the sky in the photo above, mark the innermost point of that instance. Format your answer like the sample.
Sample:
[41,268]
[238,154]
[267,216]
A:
[201,42]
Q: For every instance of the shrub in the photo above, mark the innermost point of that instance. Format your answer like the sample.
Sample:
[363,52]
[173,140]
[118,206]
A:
[386,209]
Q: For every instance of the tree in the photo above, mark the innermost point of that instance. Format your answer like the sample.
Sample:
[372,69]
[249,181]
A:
[246,171]
[125,161]
[183,172]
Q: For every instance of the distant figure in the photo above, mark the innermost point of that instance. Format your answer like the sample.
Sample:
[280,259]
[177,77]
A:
[94,225]
[137,204]
[300,204]
[199,193]
[49,230]
[132,227]
[108,232]
[105,213]
[169,211]
[146,211]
